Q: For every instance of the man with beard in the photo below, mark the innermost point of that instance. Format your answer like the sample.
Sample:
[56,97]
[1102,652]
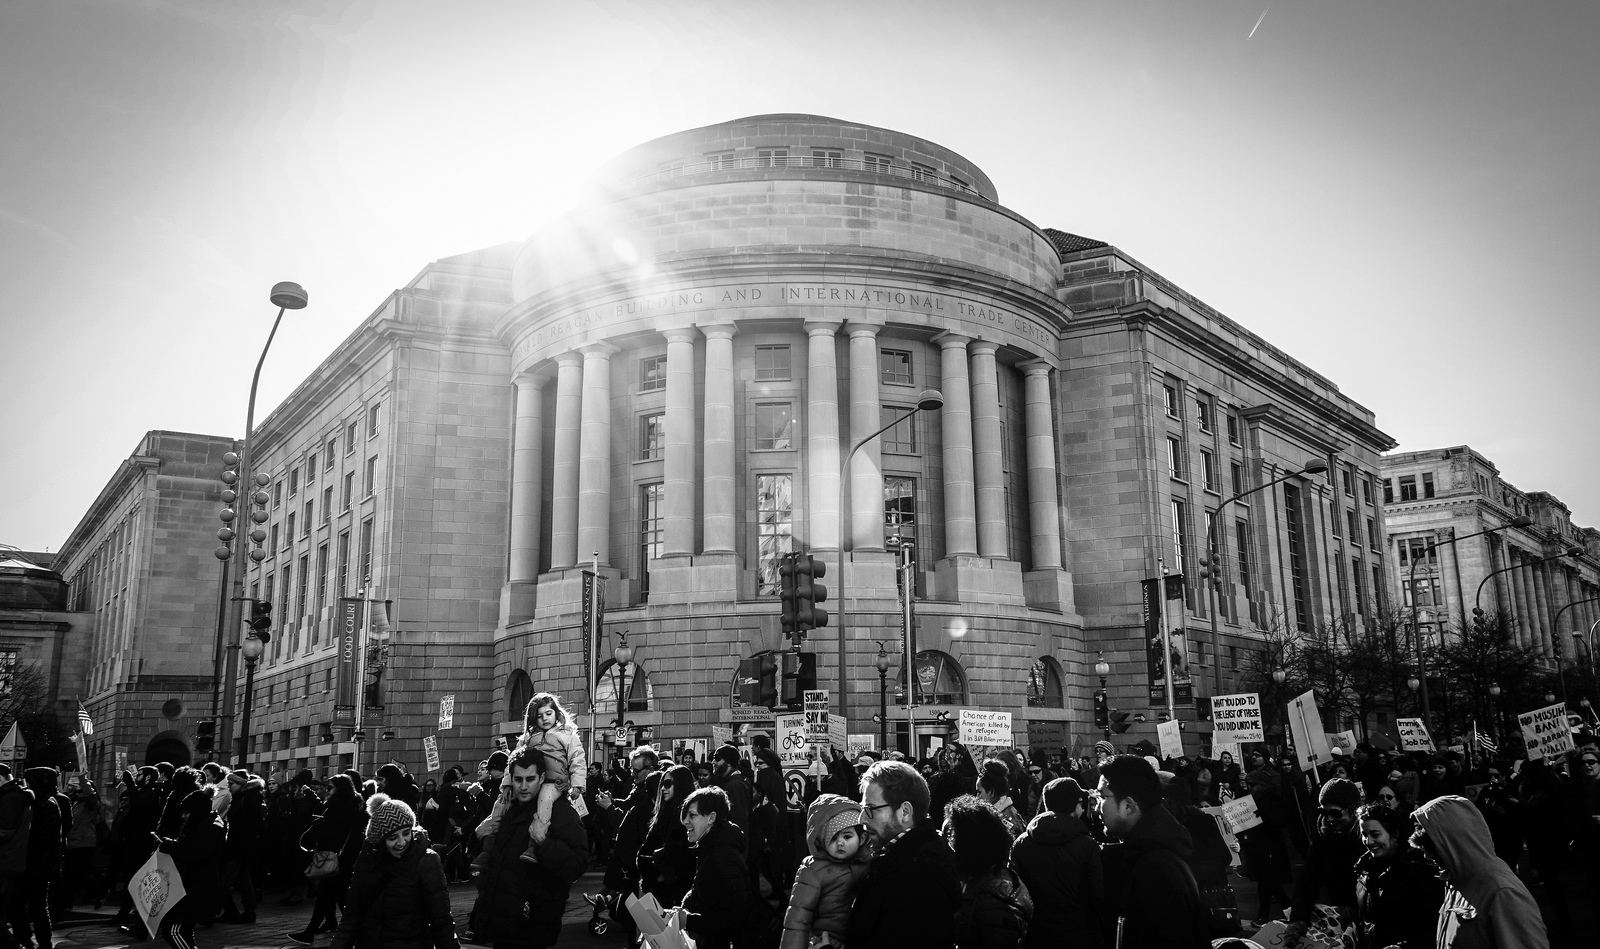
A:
[910,893]
[1151,893]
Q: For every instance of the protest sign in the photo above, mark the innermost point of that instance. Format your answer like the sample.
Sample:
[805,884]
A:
[978,727]
[837,733]
[430,747]
[816,712]
[156,887]
[1170,735]
[1344,741]
[858,743]
[1236,719]
[1545,731]
[1413,735]
[447,712]
[721,735]
[790,740]
[1305,725]
[1241,814]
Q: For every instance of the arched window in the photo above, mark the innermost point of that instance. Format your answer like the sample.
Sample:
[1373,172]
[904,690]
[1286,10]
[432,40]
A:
[519,689]
[631,680]
[940,679]
[1044,684]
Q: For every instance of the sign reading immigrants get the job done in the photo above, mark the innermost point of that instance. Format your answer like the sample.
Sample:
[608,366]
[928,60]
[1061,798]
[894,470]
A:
[1413,735]
[1236,718]
[1545,731]
[979,727]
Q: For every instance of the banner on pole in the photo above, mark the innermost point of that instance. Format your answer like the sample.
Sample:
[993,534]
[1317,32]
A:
[1305,725]
[594,609]
[447,712]
[979,727]
[1413,735]
[1159,595]
[790,739]
[347,660]
[430,747]
[1545,731]
[1236,719]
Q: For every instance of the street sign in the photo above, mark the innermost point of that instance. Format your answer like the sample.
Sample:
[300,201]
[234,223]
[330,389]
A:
[750,715]
[790,740]
[794,789]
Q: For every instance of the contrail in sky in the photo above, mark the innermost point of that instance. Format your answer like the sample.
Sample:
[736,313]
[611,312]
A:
[1258,23]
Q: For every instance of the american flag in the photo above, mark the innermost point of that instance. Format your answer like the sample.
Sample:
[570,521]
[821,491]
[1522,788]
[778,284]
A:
[84,725]
[1484,741]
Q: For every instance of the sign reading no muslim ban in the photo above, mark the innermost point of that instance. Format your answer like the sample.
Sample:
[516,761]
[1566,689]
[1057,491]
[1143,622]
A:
[985,728]
[1236,719]
[1413,735]
[1545,731]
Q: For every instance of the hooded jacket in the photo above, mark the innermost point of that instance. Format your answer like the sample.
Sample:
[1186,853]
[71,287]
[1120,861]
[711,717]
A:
[1150,890]
[823,887]
[196,849]
[1485,905]
[397,903]
[994,913]
[719,904]
[1059,862]
[910,894]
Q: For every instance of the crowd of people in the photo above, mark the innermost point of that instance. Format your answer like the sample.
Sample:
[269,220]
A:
[998,851]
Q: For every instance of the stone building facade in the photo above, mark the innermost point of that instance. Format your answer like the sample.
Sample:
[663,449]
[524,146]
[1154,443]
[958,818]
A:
[1545,576]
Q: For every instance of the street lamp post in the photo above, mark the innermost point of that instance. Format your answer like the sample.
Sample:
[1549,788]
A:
[1555,625]
[623,655]
[1499,714]
[1103,669]
[285,296]
[252,648]
[883,697]
[929,399]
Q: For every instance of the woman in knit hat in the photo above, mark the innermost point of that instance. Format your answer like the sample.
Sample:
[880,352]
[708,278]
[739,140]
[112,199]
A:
[398,898]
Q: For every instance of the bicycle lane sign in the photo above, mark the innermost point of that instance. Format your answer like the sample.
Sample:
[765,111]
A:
[789,739]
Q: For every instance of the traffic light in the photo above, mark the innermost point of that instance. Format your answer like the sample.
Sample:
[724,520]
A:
[1102,709]
[799,674]
[205,737]
[1119,722]
[1211,569]
[1478,621]
[261,620]
[808,592]
[788,583]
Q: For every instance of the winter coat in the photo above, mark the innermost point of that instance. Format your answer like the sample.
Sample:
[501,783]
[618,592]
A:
[824,887]
[397,903]
[994,912]
[1010,816]
[909,896]
[1485,905]
[197,851]
[1150,889]
[45,837]
[564,761]
[520,904]
[738,797]
[1059,862]
[1397,901]
[85,831]
[16,818]
[1330,863]
[719,905]
[950,784]
[1211,857]
[247,821]
[622,873]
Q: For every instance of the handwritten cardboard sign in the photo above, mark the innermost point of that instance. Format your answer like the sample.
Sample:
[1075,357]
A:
[1413,735]
[447,712]
[1236,718]
[816,712]
[430,747]
[1170,735]
[1241,813]
[979,727]
[1545,731]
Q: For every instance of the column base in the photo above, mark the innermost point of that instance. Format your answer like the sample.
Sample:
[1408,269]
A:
[979,580]
[694,579]
[1049,590]
[870,575]
[560,592]
[517,601]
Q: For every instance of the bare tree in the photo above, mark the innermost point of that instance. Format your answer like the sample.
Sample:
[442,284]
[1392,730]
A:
[25,702]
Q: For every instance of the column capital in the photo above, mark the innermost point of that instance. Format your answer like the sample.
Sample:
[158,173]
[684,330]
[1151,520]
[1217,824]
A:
[679,334]
[599,351]
[718,330]
[532,378]
[983,347]
[823,327]
[571,357]
[858,328]
[1036,367]
[952,340]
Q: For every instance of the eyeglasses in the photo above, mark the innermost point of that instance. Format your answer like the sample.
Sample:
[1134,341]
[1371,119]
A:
[1034,771]
[1386,797]
[869,808]
[1591,762]
[1336,813]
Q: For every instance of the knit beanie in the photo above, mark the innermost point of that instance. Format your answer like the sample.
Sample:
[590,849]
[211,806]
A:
[1104,747]
[498,761]
[1339,792]
[387,816]
[843,820]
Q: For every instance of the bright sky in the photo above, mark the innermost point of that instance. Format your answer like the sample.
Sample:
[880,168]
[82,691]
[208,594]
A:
[1401,193]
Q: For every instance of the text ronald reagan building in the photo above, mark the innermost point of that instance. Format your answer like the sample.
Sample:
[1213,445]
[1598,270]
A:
[664,384]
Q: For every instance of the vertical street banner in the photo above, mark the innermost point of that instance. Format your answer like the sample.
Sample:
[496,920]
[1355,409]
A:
[447,712]
[1159,596]
[1545,731]
[594,609]
[1413,735]
[430,748]
[1305,725]
[347,660]
[1236,719]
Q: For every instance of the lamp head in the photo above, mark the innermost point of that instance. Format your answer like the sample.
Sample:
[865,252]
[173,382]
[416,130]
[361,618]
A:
[1102,668]
[883,659]
[290,296]
[1278,676]
[1315,466]
[252,648]
[929,400]
[1413,683]
[623,653]
[1521,520]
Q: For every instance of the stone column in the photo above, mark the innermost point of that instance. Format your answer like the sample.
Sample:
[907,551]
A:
[1043,508]
[717,505]
[594,459]
[1519,594]
[527,480]
[866,416]
[822,434]
[678,464]
[1541,595]
[564,467]
[988,471]
[960,500]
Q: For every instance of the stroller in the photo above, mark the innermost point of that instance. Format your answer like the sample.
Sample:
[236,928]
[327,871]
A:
[607,907]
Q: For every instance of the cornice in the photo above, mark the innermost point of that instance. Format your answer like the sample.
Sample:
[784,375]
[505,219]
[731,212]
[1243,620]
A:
[130,472]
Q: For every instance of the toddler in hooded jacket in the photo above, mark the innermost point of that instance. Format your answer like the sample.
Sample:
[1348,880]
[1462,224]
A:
[825,886]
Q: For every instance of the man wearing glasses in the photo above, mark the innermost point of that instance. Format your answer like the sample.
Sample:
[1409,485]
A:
[1331,859]
[909,895]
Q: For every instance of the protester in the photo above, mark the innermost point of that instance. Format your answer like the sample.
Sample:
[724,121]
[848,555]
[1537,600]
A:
[247,823]
[995,906]
[339,830]
[1262,848]
[1149,887]
[79,874]
[1397,891]
[725,775]
[910,893]
[1485,904]
[1059,862]
[718,911]
[136,835]
[399,785]
[30,910]
[826,883]
[196,850]
[1331,859]
[994,789]
[666,863]
[398,896]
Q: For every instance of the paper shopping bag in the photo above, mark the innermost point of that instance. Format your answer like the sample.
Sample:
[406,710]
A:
[156,888]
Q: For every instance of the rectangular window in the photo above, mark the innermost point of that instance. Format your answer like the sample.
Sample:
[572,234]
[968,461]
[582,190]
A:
[1208,464]
[1372,533]
[1175,457]
[332,452]
[370,481]
[1355,530]
[277,494]
[1299,575]
[1180,536]
[1427,485]
[1233,657]
[1233,430]
[294,481]
[1205,413]
[283,610]
[366,552]
[272,586]
[1377,589]
[288,533]
[772,364]
[772,157]
[303,603]
[1417,548]
[372,420]
[775,529]
[899,508]
[1358,578]
[652,436]
[1348,480]
[1388,490]
[882,164]
[1241,530]
[272,541]
[901,438]
[652,532]
[894,367]
[311,469]
[923,172]
[722,161]
[1366,489]
[774,426]
[344,564]
[1408,487]
[350,438]
[306,521]
[827,158]
[1170,394]
[349,488]
[327,504]
[1238,479]
[1426,591]
[322,591]
[652,373]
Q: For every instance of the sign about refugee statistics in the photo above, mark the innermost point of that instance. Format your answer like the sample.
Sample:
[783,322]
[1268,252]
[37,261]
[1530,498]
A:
[1413,735]
[1236,719]
[1545,731]
[978,727]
